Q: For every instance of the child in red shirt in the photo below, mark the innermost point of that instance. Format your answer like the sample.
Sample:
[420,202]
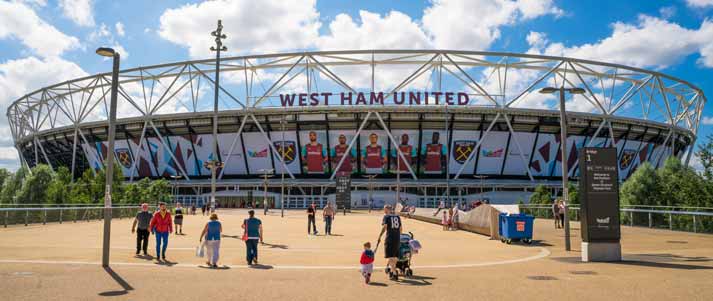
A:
[367,262]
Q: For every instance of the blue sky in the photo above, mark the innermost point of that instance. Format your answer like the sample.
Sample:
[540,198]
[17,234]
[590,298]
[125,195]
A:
[44,42]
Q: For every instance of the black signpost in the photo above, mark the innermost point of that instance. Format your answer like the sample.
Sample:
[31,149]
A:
[599,196]
[344,193]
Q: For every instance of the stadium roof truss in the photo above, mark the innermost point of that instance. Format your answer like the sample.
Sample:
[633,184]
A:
[501,83]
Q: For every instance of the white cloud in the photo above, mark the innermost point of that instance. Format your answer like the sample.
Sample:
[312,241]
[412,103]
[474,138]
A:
[121,50]
[100,33]
[22,76]
[394,30]
[20,22]
[707,120]
[699,3]
[631,44]
[79,11]
[119,29]
[468,25]
[38,3]
[667,11]
[251,26]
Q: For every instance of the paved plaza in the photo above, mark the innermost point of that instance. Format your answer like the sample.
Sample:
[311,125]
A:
[61,262]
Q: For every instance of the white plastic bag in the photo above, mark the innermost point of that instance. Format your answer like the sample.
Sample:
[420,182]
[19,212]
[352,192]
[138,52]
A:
[200,250]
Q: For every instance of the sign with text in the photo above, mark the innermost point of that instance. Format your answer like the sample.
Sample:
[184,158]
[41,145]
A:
[374,98]
[344,192]
[599,195]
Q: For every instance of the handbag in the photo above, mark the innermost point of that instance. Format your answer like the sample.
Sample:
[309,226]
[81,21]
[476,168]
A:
[200,250]
[245,231]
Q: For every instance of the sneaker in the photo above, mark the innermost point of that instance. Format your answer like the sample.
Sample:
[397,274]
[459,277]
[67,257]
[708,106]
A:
[392,276]
[215,266]
[137,252]
[368,277]
[146,253]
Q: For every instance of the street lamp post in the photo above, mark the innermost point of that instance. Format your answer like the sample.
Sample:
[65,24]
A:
[266,174]
[370,201]
[175,187]
[219,36]
[108,52]
[563,144]
[282,180]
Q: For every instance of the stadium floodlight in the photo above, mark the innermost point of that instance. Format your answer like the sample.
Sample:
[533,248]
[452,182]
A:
[218,48]
[109,52]
[563,145]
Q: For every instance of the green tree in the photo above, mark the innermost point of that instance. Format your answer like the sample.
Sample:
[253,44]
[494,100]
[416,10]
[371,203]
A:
[59,190]
[705,153]
[573,193]
[641,188]
[159,191]
[541,196]
[12,186]
[34,188]
[4,175]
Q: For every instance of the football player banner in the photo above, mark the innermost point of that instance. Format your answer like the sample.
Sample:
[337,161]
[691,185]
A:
[373,151]
[407,149]
[433,152]
[314,152]
[340,143]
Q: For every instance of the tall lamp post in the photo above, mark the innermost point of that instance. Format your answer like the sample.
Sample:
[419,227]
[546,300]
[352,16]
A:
[108,52]
[563,144]
[266,173]
[175,187]
[370,200]
[219,36]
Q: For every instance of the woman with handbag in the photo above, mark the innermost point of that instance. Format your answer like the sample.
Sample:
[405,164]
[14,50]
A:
[252,233]
[211,232]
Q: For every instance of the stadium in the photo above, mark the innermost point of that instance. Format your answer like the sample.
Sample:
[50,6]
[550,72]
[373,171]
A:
[429,124]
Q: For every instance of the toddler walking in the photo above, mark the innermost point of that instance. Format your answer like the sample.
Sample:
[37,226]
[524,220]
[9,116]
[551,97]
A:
[367,262]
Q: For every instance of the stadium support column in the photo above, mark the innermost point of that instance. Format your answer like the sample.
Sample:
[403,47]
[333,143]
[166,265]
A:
[219,36]
[108,52]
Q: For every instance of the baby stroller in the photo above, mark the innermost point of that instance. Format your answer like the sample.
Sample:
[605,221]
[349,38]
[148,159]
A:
[407,247]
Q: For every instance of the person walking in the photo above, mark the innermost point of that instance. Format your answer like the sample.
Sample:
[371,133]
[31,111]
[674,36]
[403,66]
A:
[143,218]
[203,209]
[561,213]
[161,226]
[311,219]
[391,225]
[211,232]
[178,218]
[252,233]
[328,214]
[556,213]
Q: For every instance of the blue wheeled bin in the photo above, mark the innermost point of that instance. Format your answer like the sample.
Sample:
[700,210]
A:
[515,227]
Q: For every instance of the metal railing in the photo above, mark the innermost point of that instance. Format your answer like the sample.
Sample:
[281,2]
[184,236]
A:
[27,216]
[690,219]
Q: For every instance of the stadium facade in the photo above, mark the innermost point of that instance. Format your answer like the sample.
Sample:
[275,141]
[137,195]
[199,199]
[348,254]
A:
[431,123]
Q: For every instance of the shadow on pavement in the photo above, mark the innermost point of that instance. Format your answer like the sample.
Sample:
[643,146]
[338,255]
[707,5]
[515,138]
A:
[126,287]
[261,267]
[145,257]
[166,263]
[664,265]
[224,267]
[377,284]
[275,246]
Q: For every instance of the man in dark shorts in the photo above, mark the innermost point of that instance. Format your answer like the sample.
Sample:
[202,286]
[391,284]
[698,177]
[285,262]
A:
[391,224]
[143,219]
